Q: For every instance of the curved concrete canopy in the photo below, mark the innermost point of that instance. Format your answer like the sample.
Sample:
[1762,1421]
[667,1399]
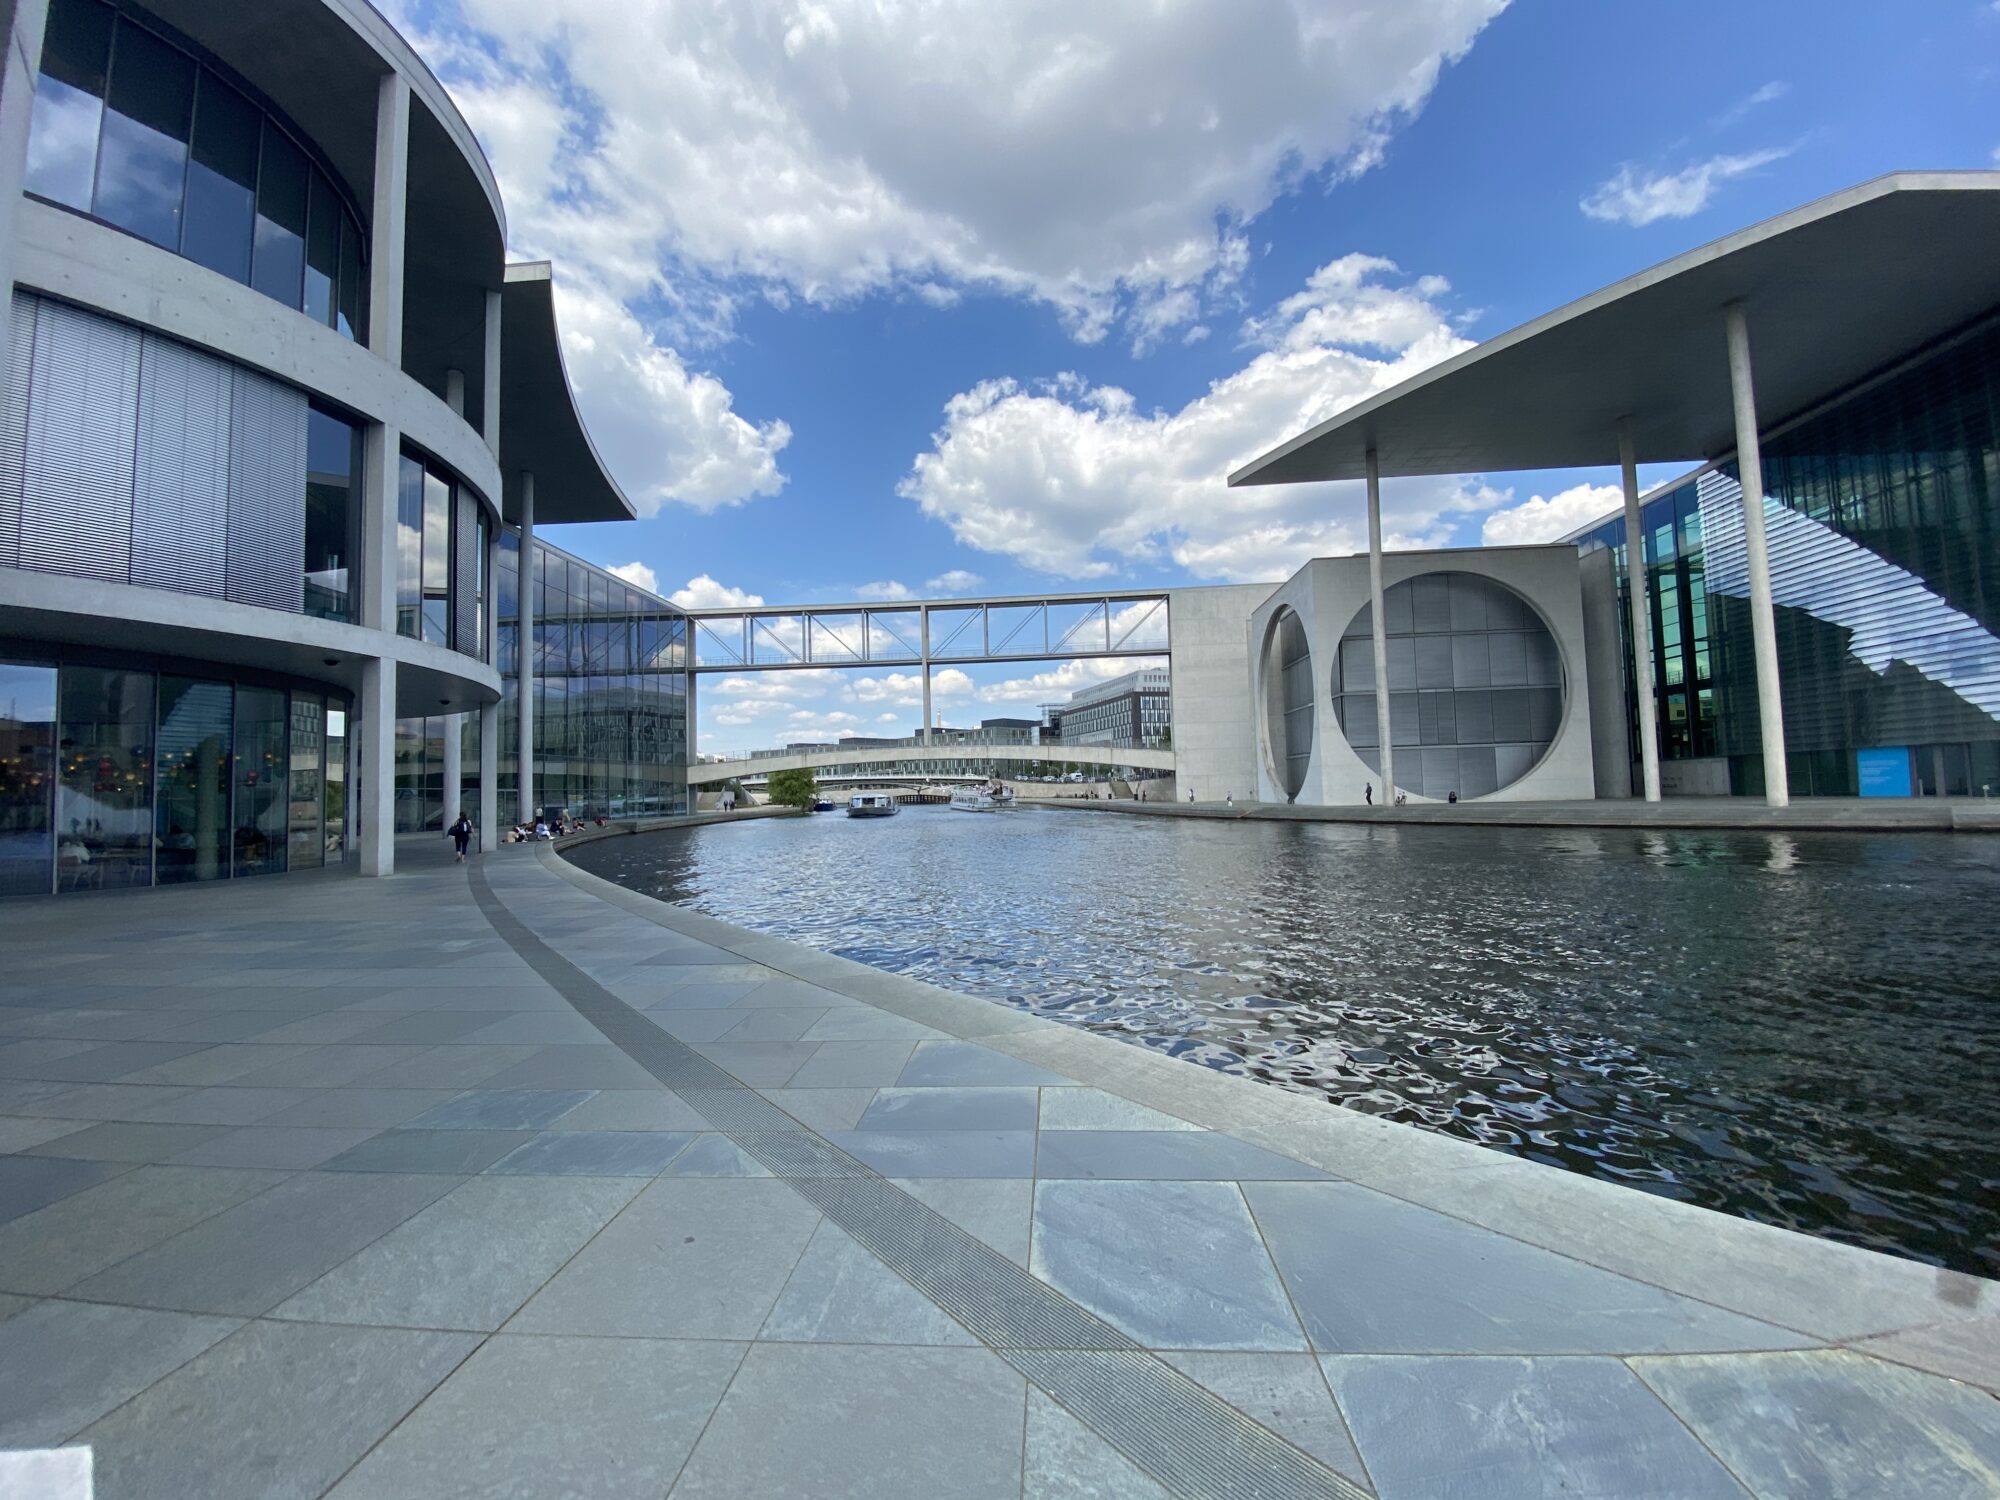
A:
[543,432]
[1834,291]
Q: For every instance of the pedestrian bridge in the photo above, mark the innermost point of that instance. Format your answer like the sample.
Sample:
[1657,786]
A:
[1134,758]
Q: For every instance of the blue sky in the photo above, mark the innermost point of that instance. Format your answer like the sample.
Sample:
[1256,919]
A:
[953,297]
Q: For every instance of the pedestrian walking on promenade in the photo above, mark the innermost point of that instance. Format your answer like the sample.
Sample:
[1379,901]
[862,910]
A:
[461,835]
[1368,792]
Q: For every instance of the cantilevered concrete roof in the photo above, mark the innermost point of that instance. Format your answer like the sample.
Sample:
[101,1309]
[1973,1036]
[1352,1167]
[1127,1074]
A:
[1833,291]
[540,428]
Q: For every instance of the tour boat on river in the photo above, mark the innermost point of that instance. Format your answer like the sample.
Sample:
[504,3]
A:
[994,796]
[871,805]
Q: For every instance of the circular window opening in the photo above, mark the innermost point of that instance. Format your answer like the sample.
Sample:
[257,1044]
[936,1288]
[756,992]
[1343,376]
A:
[1288,702]
[1475,685]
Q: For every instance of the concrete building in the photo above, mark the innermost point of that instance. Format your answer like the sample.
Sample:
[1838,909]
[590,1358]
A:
[1133,708]
[276,413]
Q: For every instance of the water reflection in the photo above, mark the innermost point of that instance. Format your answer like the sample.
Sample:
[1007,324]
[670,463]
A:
[1803,1029]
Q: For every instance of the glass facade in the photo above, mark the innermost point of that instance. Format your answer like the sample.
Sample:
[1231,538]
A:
[130,128]
[1475,685]
[132,458]
[1882,516]
[119,772]
[441,543]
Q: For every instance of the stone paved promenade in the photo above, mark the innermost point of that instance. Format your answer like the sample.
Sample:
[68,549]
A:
[499,1181]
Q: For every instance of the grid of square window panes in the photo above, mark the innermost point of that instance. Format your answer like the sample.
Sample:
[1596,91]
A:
[609,674]
[131,129]
[1908,469]
[114,776]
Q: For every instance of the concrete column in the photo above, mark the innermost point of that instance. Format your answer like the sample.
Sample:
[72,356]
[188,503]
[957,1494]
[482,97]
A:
[454,767]
[376,809]
[1638,591]
[390,205]
[524,695]
[381,472]
[489,716]
[17,108]
[1763,620]
[454,392]
[1380,630]
[924,642]
[489,410]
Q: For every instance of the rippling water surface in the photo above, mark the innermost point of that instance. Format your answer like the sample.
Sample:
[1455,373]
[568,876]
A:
[1802,1029]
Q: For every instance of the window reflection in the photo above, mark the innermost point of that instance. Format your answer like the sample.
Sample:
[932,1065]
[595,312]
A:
[261,778]
[222,181]
[105,818]
[306,785]
[332,513]
[278,257]
[27,776]
[192,816]
[437,559]
[69,103]
[142,159]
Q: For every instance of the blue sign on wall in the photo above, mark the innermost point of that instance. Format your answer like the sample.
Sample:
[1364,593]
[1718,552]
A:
[1884,773]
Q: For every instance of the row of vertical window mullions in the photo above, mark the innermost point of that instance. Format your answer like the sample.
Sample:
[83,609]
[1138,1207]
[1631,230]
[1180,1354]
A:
[182,159]
[436,559]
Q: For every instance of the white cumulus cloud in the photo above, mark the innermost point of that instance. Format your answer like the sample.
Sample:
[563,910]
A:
[1639,197]
[953,581]
[703,592]
[1076,480]
[1538,520]
[638,575]
[885,592]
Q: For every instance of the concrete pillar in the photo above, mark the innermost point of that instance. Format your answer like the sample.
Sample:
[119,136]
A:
[524,696]
[454,768]
[1763,620]
[381,472]
[390,204]
[1639,593]
[17,108]
[489,716]
[489,410]
[924,645]
[454,392]
[375,812]
[1380,631]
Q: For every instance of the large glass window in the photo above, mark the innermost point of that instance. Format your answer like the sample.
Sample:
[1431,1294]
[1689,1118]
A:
[409,546]
[262,771]
[105,816]
[305,838]
[129,127]
[69,102]
[222,180]
[336,781]
[142,160]
[192,812]
[333,459]
[27,776]
[437,559]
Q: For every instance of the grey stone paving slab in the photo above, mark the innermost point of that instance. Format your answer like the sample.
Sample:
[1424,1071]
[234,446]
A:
[951,1109]
[759,1064]
[225,1106]
[458,1153]
[1177,1265]
[868,1025]
[1093,1109]
[20,1096]
[10,1305]
[784,993]
[1064,1460]
[277,1410]
[249,1258]
[962,1063]
[100,1101]
[1512,1429]
[823,1109]
[703,1025]
[111,1062]
[682,997]
[329,1066]
[714,1155]
[222,1026]
[631,1109]
[65,1364]
[1284,1392]
[596,1153]
[49,1251]
[543,1027]
[1968,1351]
[24,1059]
[327,1026]
[941,1153]
[470,1259]
[349,1107]
[765,1026]
[574,1067]
[450,1065]
[844,1423]
[222,1064]
[689,1258]
[19,1134]
[585,1419]
[1829,1424]
[996,1210]
[1166,1154]
[1374,1275]
[280,1147]
[837,1065]
[28,1183]
[127,1140]
[434,1026]
[501,1109]
[840,1294]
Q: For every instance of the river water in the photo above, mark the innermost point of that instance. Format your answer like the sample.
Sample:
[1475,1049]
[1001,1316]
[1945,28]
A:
[1798,1028]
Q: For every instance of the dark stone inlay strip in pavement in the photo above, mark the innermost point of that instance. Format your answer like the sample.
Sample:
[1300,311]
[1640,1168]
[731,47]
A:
[1184,1435]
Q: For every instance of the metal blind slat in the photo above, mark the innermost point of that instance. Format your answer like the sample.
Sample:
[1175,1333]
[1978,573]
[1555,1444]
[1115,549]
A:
[267,466]
[76,493]
[180,502]
[14,425]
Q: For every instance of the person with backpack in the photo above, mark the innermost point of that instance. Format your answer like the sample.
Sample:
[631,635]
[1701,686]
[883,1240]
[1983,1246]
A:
[461,835]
